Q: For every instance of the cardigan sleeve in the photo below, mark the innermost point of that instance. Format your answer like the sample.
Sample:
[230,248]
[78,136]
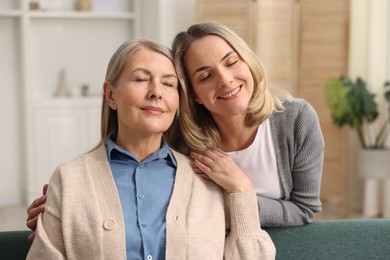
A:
[245,238]
[299,146]
[48,242]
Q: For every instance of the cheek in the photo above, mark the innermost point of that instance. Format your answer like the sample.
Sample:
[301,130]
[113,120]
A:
[248,74]
[202,93]
[251,84]
[173,101]
[195,96]
[197,89]
[126,101]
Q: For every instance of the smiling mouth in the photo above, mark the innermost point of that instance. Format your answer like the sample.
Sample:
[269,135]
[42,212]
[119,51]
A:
[230,94]
[153,110]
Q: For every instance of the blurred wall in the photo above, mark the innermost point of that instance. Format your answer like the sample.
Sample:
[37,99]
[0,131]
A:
[369,58]
[160,21]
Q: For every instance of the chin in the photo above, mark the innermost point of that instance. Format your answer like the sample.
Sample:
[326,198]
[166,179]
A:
[156,129]
[156,126]
[239,109]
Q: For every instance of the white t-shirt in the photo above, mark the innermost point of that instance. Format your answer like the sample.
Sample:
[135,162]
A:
[258,162]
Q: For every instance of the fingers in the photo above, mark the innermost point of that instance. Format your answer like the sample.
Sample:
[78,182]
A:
[44,190]
[37,202]
[196,169]
[209,162]
[33,211]
[203,169]
[32,215]
[199,168]
[222,170]
[205,176]
[36,207]
[200,157]
[200,173]
[207,159]
[32,223]
[31,237]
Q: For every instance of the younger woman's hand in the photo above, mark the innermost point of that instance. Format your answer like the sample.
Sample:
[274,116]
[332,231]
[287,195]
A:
[36,207]
[214,165]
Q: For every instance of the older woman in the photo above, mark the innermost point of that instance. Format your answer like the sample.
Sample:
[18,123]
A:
[132,196]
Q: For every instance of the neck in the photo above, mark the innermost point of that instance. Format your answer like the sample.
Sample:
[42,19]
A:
[140,146]
[234,134]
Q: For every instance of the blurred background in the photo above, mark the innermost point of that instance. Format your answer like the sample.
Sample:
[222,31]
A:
[54,54]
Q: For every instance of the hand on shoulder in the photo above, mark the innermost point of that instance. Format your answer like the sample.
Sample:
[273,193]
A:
[33,211]
[214,165]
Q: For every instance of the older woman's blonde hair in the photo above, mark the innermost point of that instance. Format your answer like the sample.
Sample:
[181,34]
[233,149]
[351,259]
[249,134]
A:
[199,128]
[109,117]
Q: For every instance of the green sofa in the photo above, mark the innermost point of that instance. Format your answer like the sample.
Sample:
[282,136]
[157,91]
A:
[331,240]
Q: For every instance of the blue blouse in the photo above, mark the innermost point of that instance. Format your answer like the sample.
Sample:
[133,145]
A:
[145,189]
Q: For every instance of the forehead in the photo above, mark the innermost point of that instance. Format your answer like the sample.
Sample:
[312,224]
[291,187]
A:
[206,50]
[150,59]
[209,45]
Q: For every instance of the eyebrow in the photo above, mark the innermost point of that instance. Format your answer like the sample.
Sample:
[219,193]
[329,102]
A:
[168,75]
[206,67]
[142,70]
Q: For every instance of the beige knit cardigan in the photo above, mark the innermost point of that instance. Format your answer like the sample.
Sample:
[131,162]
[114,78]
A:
[83,217]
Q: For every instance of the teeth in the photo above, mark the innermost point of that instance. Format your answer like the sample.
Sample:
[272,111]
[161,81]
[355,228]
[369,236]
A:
[231,93]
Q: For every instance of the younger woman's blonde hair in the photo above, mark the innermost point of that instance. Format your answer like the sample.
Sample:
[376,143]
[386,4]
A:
[198,126]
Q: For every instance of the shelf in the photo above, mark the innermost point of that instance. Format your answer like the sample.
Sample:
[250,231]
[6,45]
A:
[11,13]
[82,15]
[70,15]
[95,100]
[71,99]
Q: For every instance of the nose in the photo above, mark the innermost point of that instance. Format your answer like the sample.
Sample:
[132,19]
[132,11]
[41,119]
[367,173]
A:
[225,77]
[155,90]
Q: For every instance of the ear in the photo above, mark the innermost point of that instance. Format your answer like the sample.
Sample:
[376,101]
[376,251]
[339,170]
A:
[109,95]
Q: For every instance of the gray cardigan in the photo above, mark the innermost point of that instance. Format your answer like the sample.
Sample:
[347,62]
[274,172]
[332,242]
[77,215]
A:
[299,148]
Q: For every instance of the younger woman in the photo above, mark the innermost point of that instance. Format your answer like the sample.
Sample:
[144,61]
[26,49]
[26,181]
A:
[236,124]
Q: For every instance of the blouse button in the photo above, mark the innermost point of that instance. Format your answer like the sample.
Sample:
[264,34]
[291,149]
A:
[109,224]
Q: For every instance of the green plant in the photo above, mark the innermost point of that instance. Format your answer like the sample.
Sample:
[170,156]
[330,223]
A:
[352,104]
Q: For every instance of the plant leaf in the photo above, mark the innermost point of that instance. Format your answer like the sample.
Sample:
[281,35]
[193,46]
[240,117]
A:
[362,102]
[335,97]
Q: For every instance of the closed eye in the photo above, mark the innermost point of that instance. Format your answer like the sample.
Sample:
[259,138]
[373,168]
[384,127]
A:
[169,84]
[170,81]
[204,78]
[141,79]
[232,63]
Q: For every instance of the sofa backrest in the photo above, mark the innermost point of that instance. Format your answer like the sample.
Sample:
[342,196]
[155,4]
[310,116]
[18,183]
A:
[336,239]
[332,240]
[14,245]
